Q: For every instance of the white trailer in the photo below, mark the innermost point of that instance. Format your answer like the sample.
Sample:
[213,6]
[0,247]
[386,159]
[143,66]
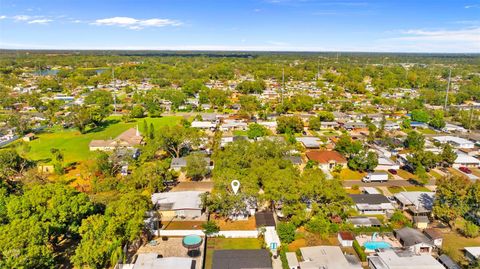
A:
[376,177]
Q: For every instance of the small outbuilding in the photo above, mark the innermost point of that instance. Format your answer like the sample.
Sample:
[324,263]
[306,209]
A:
[346,239]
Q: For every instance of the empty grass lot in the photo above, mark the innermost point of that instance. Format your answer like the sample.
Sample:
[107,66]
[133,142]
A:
[348,174]
[228,243]
[75,145]
[454,243]
[397,189]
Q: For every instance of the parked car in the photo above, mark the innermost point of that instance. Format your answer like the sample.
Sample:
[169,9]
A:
[465,170]
[392,171]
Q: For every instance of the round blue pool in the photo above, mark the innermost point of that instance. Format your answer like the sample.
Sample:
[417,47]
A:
[192,241]
[372,245]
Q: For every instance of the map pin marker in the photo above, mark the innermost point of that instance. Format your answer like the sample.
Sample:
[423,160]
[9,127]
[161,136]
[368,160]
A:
[235,185]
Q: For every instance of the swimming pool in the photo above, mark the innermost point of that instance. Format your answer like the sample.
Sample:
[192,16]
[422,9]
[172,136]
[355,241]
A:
[372,245]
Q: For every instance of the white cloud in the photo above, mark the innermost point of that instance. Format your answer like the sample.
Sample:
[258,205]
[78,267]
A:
[39,21]
[136,24]
[472,6]
[22,17]
[3,17]
[465,35]
[421,40]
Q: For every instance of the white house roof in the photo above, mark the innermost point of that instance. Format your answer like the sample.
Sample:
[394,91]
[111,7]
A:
[330,257]
[203,124]
[454,139]
[466,159]
[151,261]
[416,198]
[309,141]
[178,200]
[389,259]
[474,251]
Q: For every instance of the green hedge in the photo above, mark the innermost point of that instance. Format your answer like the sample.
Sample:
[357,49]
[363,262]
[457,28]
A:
[360,251]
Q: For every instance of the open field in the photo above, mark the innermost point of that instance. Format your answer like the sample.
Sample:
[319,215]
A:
[453,244]
[228,243]
[75,145]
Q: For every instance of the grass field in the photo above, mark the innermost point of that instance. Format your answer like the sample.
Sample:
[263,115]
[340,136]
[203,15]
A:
[454,243]
[229,225]
[75,145]
[229,243]
[348,174]
[239,133]
[397,189]
[427,131]
[405,174]
[435,174]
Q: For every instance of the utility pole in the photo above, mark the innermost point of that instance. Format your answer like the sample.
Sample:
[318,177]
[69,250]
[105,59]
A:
[114,90]
[470,121]
[283,83]
[448,88]
[318,69]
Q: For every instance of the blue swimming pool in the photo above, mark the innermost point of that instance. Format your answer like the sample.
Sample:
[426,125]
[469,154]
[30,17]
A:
[372,245]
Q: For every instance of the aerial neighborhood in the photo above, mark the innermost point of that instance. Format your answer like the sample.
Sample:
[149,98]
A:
[239,160]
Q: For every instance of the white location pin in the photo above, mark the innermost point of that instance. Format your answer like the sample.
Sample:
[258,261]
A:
[235,186]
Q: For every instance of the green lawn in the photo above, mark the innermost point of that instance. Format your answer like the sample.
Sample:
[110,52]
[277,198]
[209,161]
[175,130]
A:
[397,189]
[405,174]
[75,145]
[454,243]
[426,131]
[435,174]
[239,133]
[229,243]
[348,174]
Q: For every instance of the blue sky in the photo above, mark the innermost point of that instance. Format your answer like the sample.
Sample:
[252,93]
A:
[297,25]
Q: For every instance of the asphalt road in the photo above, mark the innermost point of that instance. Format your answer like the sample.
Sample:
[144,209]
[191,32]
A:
[390,183]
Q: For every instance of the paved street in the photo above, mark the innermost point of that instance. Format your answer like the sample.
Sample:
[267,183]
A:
[390,183]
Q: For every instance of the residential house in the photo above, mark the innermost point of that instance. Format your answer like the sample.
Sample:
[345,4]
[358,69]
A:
[419,203]
[453,128]
[229,125]
[229,139]
[472,253]
[330,257]
[309,142]
[390,126]
[446,261]
[181,204]
[153,260]
[329,125]
[204,125]
[418,125]
[372,204]
[385,164]
[414,240]
[435,236]
[265,220]
[178,163]
[465,160]
[346,239]
[129,139]
[327,160]
[391,259]
[29,137]
[421,222]
[456,142]
[354,125]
